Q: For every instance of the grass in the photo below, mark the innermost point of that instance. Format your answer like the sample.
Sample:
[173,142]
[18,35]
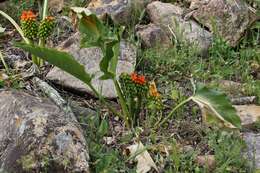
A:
[111,158]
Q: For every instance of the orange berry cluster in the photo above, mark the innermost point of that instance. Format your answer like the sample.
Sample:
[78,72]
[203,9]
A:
[138,79]
[32,29]
[133,85]
[29,24]
[28,15]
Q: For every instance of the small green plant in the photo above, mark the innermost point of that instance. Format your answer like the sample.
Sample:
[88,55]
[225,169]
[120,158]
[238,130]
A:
[133,89]
[216,103]
[31,30]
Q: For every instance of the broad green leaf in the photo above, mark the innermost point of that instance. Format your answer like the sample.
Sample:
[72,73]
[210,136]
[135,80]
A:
[218,104]
[91,28]
[95,34]
[60,59]
[110,55]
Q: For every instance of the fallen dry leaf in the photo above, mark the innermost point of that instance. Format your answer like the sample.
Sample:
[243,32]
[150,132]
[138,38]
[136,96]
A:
[143,158]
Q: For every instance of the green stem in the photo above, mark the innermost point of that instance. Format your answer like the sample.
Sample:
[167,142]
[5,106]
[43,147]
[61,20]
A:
[42,44]
[138,108]
[171,113]
[42,41]
[5,65]
[17,27]
[103,101]
[122,103]
[45,9]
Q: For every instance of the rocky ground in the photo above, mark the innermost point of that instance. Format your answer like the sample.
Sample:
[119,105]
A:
[59,126]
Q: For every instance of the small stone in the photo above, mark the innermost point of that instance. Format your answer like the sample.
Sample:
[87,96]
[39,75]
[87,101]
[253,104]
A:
[152,35]
[207,161]
[108,140]
[56,6]
[187,148]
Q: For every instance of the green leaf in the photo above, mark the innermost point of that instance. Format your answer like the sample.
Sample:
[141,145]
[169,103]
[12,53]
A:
[91,28]
[109,61]
[95,34]
[218,104]
[60,59]
[103,128]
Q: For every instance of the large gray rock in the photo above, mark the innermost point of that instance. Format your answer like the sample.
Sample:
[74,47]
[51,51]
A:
[90,58]
[169,17]
[253,148]
[121,11]
[230,18]
[36,136]
[153,36]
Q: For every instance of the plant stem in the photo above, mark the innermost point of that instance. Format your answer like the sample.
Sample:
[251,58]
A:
[103,101]
[171,113]
[122,103]
[17,27]
[42,41]
[45,9]
[5,65]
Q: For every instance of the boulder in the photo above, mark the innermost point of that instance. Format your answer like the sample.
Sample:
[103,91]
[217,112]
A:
[36,136]
[253,149]
[152,35]
[169,17]
[90,58]
[229,18]
[121,11]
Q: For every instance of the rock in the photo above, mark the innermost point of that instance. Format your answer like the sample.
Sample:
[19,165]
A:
[36,136]
[253,148]
[230,84]
[152,35]
[169,17]
[80,110]
[121,11]
[228,17]
[244,100]
[231,88]
[208,160]
[90,58]
[187,148]
[56,6]
[249,114]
